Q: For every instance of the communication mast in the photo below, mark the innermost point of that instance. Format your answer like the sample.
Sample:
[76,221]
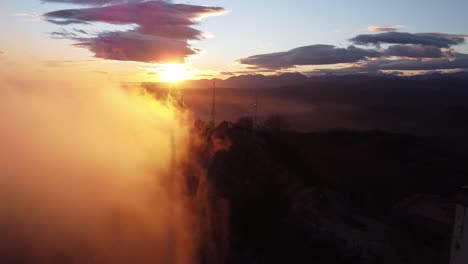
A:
[255,111]
[213,106]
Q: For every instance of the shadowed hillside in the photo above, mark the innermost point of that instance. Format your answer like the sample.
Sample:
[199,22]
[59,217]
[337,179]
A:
[332,197]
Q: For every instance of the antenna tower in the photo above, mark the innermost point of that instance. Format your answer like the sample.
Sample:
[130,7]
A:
[255,111]
[213,107]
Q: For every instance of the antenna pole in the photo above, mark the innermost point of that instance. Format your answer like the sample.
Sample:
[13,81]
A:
[255,111]
[213,107]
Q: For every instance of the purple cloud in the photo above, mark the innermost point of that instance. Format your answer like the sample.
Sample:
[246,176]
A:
[161,33]
[133,46]
[140,13]
[93,2]
[415,51]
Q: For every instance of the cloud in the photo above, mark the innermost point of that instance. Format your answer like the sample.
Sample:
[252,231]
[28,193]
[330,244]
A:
[81,31]
[310,55]
[68,34]
[133,46]
[104,195]
[65,63]
[144,14]
[404,51]
[459,61]
[34,17]
[385,28]
[248,71]
[66,22]
[161,33]
[429,39]
[93,2]
[415,51]
[30,15]
[175,32]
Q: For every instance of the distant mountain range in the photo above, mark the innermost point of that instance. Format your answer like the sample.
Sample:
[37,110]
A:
[298,79]
[430,104]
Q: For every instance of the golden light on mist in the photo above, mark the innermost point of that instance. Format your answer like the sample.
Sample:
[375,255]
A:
[172,73]
[102,182]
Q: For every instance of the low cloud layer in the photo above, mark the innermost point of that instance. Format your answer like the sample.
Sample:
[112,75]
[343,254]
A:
[161,33]
[459,62]
[90,174]
[402,51]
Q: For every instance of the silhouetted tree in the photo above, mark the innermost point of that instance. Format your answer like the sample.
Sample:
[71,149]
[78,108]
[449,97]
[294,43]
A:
[245,122]
[275,123]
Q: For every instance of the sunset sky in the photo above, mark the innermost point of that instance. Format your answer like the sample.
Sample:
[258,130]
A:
[133,40]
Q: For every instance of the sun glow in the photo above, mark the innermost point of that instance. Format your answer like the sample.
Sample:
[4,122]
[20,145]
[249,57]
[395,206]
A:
[172,73]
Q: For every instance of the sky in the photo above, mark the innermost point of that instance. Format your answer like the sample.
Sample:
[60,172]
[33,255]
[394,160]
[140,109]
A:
[231,37]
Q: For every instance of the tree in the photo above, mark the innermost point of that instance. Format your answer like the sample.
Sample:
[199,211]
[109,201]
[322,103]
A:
[245,122]
[275,123]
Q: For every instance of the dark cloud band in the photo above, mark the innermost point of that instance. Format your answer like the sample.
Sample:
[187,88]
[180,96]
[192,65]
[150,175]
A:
[429,39]
[415,51]
[310,55]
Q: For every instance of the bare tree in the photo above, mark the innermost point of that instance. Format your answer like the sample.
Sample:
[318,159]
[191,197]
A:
[275,123]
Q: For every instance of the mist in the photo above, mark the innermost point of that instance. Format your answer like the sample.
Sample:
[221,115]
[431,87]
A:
[92,174]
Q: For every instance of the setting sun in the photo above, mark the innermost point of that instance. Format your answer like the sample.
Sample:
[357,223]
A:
[173,73]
